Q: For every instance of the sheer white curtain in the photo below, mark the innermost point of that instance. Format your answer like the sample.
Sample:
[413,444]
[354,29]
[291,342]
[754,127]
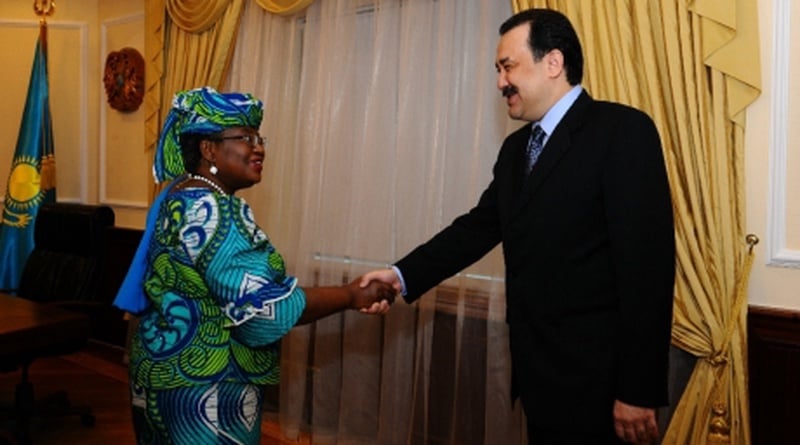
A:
[384,122]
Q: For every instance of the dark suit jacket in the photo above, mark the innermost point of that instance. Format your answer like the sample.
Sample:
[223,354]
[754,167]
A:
[588,243]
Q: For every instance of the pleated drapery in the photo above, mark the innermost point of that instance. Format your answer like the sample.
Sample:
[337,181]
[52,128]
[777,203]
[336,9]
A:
[197,36]
[154,71]
[188,44]
[284,7]
[682,62]
[195,16]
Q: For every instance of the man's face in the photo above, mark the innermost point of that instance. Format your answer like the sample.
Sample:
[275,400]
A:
[522,81]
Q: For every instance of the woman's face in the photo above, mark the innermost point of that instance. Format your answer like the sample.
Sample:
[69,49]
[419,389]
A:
[239,157]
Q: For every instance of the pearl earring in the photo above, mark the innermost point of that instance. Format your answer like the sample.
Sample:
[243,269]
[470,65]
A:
[213,169]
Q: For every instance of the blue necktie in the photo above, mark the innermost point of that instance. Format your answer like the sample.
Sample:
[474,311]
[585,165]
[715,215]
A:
[535,145]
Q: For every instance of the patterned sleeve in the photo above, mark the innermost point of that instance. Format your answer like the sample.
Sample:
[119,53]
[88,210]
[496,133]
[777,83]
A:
[242,269]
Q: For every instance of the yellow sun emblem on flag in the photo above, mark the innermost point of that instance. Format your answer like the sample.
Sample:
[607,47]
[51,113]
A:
[24,191]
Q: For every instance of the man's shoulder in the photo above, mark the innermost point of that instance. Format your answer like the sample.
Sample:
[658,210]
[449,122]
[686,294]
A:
[617,110]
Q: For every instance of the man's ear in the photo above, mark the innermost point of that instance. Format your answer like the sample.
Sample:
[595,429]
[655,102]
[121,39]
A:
[554,61]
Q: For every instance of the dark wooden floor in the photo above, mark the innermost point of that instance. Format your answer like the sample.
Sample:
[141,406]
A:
[97,377]
[94,377]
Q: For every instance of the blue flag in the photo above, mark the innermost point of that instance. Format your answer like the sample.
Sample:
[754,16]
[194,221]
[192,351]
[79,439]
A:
[32,178]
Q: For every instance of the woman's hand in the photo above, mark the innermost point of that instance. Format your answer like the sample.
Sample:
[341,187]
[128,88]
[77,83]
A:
[388,276]
[376,292]
[374,298]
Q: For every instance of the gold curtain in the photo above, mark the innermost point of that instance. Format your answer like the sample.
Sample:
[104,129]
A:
[284,7]
[188,44]
[154,70]
[195,16]
[682,64]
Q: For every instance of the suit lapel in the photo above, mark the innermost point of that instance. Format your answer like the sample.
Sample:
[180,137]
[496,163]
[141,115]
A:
[557,146]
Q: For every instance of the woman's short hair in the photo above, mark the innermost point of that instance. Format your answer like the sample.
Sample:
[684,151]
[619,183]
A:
[190,150]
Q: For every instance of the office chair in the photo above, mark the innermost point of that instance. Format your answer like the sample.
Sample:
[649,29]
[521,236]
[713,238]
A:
[65,268]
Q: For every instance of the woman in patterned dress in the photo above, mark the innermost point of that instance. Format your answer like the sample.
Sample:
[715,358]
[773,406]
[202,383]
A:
[210,292]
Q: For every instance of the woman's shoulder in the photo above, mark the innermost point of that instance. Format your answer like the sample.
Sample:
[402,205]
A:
[192,206]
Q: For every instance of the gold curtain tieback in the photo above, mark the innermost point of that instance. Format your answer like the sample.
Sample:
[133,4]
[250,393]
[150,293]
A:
[718,359]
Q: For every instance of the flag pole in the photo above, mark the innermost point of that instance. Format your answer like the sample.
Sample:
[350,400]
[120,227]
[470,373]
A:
[44,9]
[32,178]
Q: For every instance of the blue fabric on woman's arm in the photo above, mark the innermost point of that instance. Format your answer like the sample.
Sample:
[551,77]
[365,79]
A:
[131,296]
[267,328]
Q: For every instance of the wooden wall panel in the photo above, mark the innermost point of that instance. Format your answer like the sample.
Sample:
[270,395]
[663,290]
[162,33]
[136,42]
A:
[774,362]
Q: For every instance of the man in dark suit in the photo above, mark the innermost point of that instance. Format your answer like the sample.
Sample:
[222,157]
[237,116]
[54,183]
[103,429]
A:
[587,240]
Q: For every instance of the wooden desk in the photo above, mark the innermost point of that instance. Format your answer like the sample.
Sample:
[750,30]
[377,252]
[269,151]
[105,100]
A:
[29,329]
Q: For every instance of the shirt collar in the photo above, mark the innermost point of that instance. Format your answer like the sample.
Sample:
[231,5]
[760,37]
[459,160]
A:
[554,115]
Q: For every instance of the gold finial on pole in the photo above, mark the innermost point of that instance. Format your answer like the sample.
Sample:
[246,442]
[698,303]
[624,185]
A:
[751,241]
[44,8]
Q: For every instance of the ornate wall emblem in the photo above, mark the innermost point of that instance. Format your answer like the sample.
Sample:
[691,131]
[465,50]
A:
[124,79]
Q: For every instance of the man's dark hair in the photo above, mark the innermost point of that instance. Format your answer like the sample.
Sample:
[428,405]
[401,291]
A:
[550,30]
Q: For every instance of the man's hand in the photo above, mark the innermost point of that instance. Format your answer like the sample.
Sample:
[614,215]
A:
[635,424]
[386,276]
[374,294]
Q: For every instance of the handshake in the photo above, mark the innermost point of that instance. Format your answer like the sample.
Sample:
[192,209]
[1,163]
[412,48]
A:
[375,291]
[371,293]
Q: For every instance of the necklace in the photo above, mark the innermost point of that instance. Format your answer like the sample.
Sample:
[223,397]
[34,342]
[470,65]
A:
[213,184]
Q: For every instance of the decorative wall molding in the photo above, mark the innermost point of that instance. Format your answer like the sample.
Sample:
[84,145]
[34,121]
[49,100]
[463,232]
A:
[84,110]
[779,254]
[105,25]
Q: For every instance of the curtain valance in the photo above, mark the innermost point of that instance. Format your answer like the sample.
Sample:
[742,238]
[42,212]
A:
[195,15]
[284,7]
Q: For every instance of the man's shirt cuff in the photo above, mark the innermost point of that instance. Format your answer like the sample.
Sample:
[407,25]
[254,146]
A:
[402,281]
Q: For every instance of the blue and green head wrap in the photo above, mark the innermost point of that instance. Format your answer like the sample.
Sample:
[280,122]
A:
[201,111]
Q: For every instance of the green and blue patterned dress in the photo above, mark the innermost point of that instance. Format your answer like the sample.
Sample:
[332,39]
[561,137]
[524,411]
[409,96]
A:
[205,347]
